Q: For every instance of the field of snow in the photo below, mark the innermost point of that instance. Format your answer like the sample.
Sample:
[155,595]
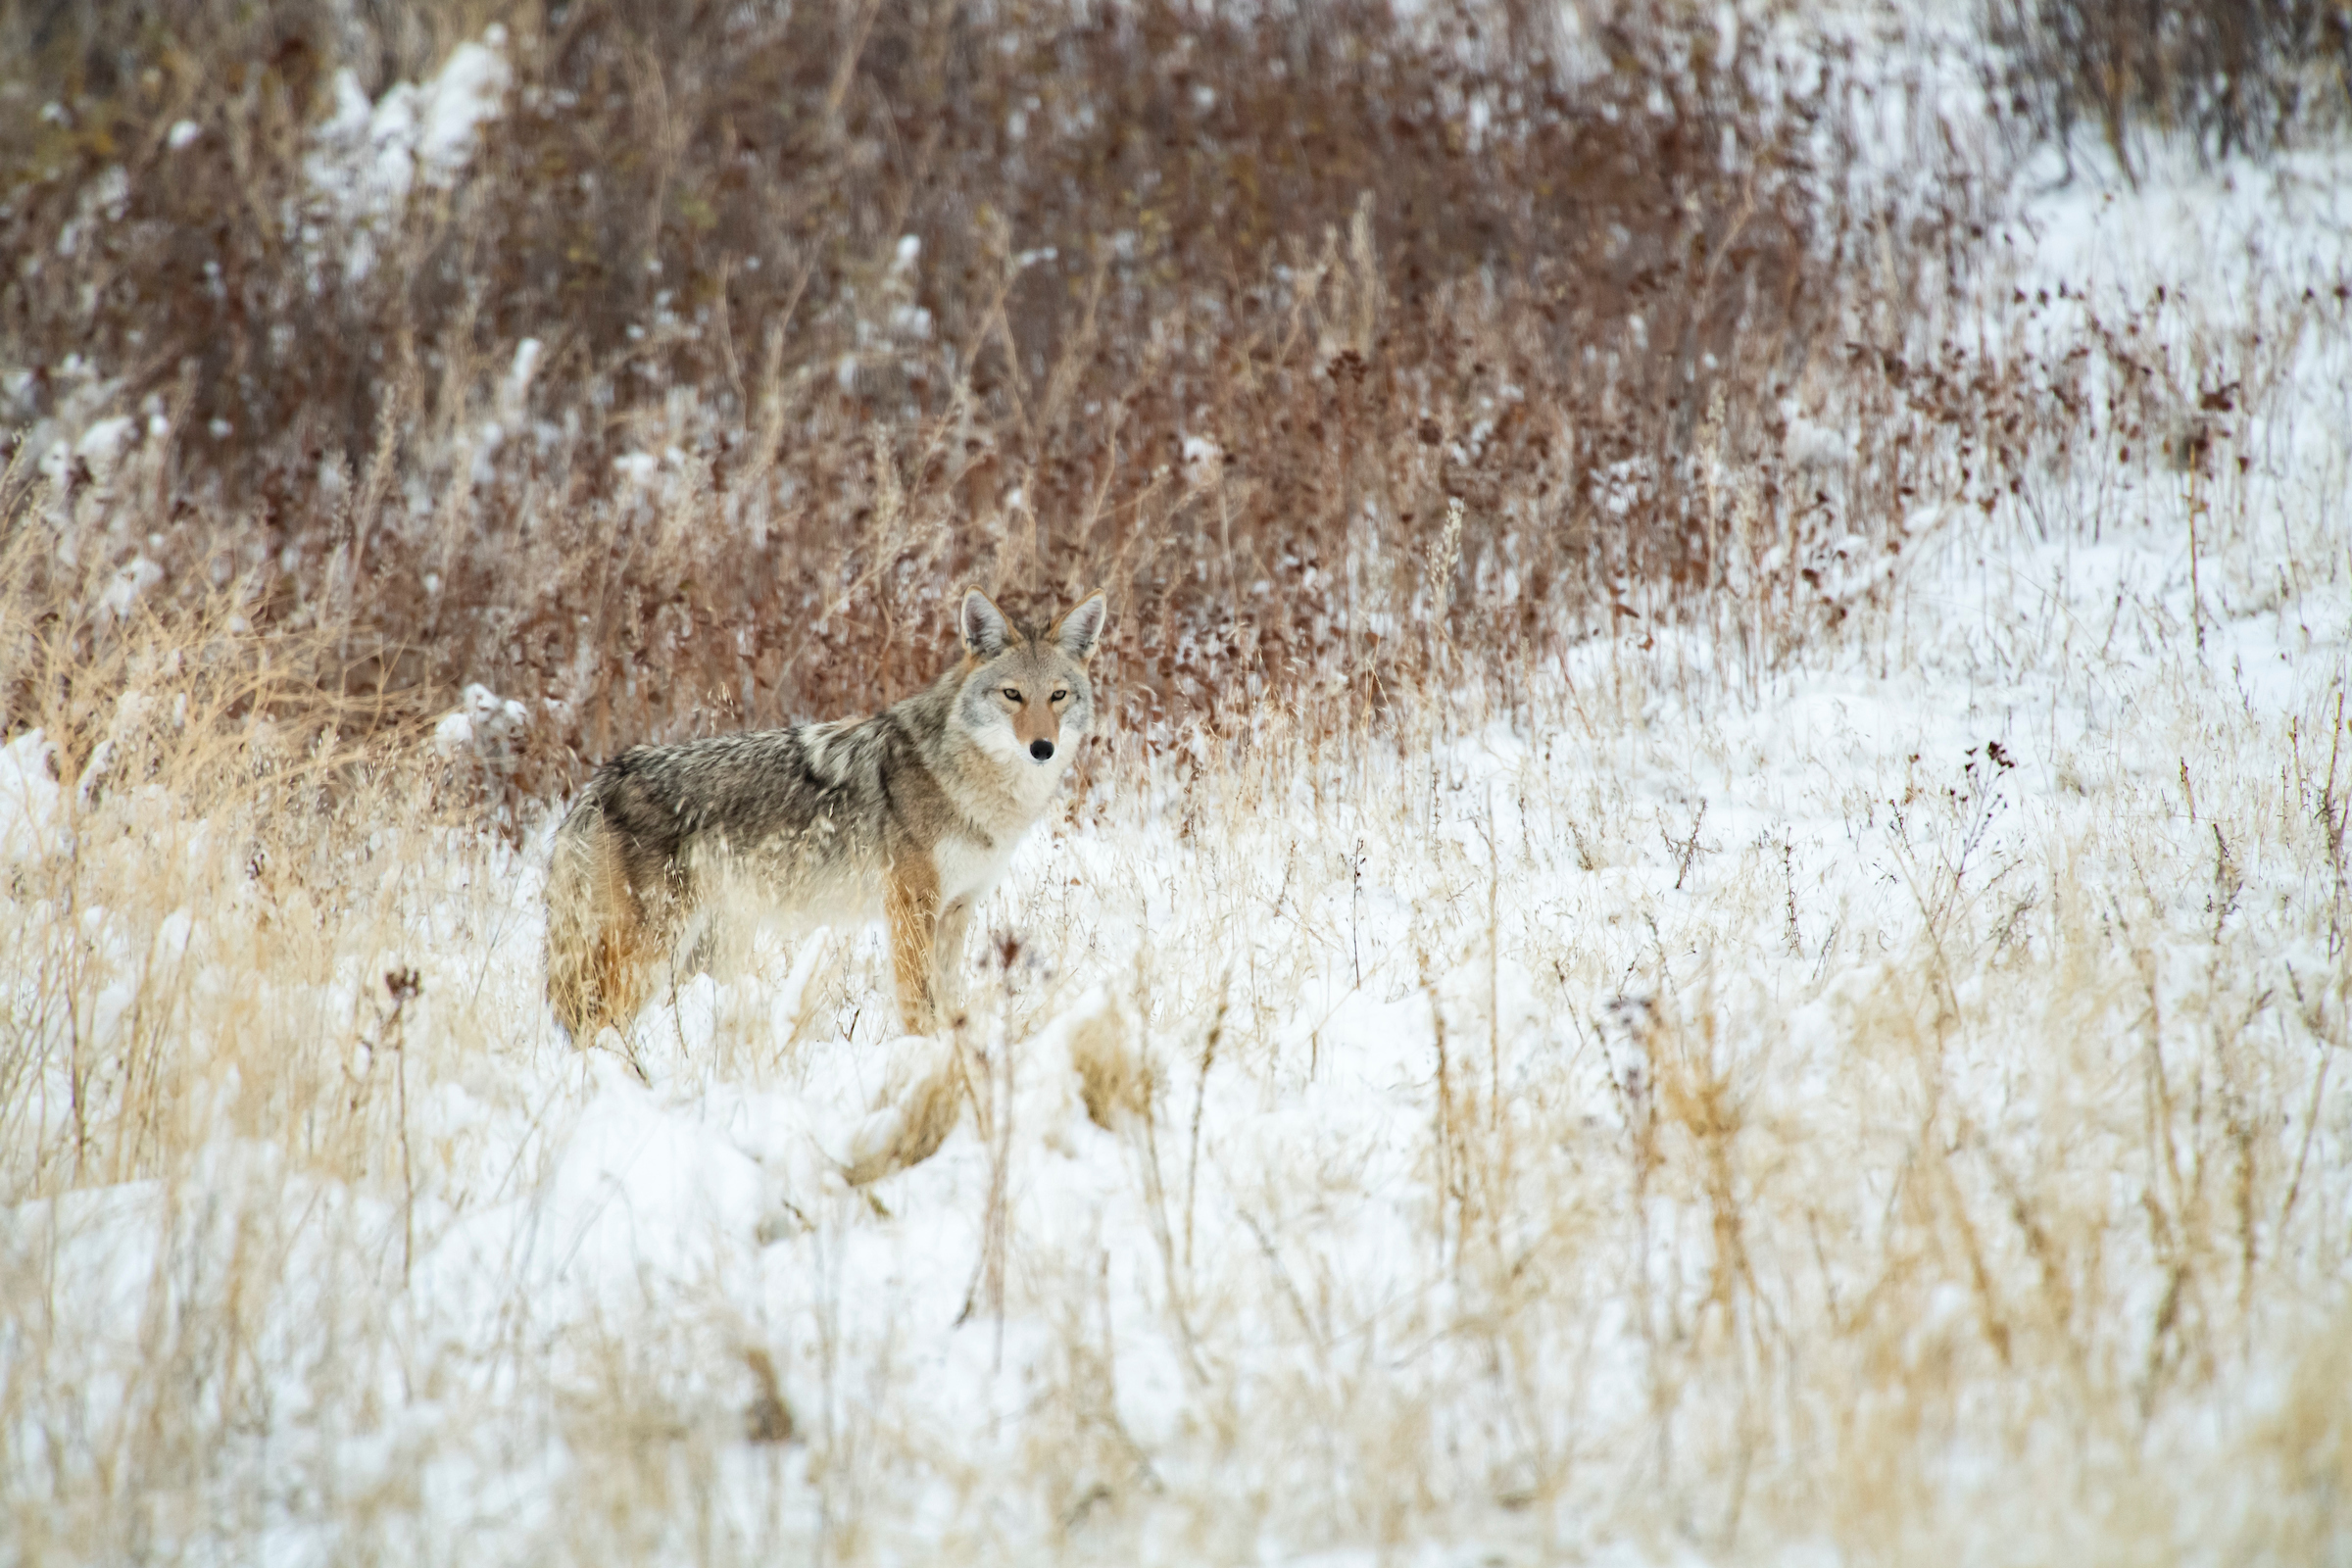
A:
[1873,1100]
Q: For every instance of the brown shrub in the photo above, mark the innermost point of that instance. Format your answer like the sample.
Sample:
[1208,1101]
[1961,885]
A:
[2237,75]
[842,308]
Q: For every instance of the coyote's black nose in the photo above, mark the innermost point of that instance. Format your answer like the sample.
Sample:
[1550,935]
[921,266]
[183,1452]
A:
[1040,750]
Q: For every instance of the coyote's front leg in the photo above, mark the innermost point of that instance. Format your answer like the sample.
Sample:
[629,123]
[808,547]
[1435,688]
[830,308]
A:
[911,904]
[947,959]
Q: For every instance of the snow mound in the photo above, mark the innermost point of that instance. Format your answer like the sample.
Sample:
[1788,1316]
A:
[28,796]
[485,726]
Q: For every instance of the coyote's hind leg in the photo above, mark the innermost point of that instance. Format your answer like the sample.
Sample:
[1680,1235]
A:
[604,946]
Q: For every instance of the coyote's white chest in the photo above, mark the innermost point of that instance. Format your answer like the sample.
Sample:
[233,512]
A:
[967,868]
[999,800]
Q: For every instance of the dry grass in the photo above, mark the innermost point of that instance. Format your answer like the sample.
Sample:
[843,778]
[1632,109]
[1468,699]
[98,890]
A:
[1651,1183]
[881,301]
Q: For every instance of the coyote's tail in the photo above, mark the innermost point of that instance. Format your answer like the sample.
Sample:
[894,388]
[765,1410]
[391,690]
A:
[600,954]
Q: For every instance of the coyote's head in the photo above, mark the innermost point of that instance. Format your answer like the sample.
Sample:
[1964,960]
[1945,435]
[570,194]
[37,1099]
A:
[1023,694]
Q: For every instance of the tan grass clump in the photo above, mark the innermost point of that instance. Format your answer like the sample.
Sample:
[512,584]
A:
[1113,1082]
[911,1124]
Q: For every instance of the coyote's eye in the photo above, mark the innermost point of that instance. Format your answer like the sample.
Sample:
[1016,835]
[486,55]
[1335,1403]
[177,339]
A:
[1061,696]
[1012,695]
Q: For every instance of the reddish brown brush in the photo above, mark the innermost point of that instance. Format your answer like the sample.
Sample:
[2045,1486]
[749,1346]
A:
[1215,311]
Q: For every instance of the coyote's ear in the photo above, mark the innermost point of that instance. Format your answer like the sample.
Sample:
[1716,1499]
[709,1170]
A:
[985,633]
[1077,630]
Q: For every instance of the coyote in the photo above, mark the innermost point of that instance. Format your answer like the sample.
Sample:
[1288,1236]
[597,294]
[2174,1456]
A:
[672,851]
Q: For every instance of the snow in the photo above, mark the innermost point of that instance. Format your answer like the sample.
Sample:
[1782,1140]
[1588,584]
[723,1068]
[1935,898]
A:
[459,101]
[102,442]
[486,727]
[1601,1129]
[128,586]
[1203,462]
[518,385]
[28,796]
[453,732]
[367,155]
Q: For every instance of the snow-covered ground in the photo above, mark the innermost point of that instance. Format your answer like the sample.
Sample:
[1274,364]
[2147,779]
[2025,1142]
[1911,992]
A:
[1877,1103]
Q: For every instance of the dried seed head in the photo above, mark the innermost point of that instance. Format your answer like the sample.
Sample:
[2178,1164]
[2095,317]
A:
[1447,555]
[890,497]
[1366,266]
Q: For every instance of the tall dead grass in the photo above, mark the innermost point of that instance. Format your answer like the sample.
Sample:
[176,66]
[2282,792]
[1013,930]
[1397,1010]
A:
[1679,1206]
[836,310]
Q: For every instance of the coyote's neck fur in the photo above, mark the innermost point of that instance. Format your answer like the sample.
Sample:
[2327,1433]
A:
[915,811]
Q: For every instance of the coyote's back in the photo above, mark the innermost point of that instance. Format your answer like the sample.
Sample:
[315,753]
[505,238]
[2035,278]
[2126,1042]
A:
[911,812]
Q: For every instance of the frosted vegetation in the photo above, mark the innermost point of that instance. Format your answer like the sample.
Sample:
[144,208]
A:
[1799,1016]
